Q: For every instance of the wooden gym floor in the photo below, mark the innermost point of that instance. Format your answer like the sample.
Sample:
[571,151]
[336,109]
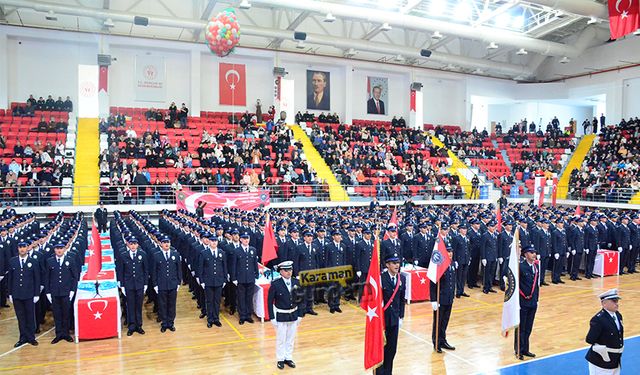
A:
[327,343]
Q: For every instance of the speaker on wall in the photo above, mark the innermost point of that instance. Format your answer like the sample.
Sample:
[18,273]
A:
[298,35]
[425,53]
[140,21]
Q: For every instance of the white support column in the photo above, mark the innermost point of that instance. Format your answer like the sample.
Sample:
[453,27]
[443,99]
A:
[4,71]
[196,89]
[347,117]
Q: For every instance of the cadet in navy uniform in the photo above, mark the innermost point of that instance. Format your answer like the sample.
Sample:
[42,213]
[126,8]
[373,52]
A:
[60,284]
[635,242]
[133,276]
[606,336]
[529,291]
[335,257]
[542,243]
[462,257]
[475,246]
[211,272]
[285,313]
[591,246]
[560,249]
[24,292]
[393,290]
[392,244]
[308,259]
[576,243]
[8,249]
[166,276]
[489,254]
[623,240]
[364,251]
[246,273]
[447,291]
[505,239]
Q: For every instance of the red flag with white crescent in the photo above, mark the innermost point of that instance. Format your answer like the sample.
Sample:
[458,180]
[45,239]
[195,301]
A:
[94,263]
[233,84]
[624,17]
[372,303]
[188,200]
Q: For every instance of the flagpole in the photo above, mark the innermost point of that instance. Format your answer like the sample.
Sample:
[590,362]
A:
[517,238]
[437,345]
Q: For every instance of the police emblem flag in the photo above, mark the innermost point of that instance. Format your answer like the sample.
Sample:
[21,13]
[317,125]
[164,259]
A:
[511,306]
[439,261]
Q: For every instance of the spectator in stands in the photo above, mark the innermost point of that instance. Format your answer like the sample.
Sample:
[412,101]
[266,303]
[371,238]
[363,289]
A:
[68,105]
[28,151]
[40,104]
[3,142]
[25,169]
[59,105]
[18,150]
[32,100]
[173,112]
[50,104]
[182,116]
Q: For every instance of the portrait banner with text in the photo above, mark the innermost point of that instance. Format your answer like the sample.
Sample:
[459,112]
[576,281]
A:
[150,84]
[233,84]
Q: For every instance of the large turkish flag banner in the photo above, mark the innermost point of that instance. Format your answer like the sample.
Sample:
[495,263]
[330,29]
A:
[98,318]
[188,200]
[624,17]
[233,84]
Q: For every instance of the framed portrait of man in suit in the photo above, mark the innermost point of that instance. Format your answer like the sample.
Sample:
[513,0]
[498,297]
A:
[318,90]
[377,95]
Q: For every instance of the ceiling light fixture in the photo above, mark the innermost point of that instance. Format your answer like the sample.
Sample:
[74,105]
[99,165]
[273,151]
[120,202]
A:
[108,23]
[329,18]
[244,4]
[51,16]
[521,52]
[385,27]
[492,45]
[436,35]
[564,60]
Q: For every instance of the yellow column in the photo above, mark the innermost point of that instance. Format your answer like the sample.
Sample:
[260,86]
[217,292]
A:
[574,163]
[456,167]
[87,174]
[336,191]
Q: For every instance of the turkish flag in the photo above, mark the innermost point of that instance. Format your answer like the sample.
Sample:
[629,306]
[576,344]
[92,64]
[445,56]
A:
[233,84]
[374,322]
[95,255]
[624,17]
[412,101]
[578,211]
[393,221]
[98,318]
[188,200]
[103,275]
[439,262]
[499,218]
[419,285]
[269,244]
[554,191]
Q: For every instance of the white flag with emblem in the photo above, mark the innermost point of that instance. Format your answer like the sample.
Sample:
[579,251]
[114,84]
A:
[511,307]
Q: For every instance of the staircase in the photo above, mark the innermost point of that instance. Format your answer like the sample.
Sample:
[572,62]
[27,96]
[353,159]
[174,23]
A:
[87,174]
[336,191]
[574,163]
[457,167]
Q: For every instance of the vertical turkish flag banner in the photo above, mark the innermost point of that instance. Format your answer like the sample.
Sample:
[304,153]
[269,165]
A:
[624,17]
[372,303]
[233,84]
[412,101]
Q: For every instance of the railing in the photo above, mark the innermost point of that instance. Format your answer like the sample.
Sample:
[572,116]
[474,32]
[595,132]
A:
[600,194]
[165,194]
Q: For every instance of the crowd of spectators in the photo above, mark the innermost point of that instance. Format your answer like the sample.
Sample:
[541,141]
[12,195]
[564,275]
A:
[32,105]
[611,171]
[391,159]
[322,118]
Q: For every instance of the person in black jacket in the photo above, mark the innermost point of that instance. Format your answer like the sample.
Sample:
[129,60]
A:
[393,291]
[133,277]
[101,218]
[529,290]
[444,303]
[60,283]
[211,273]
[606,336]
[285,313]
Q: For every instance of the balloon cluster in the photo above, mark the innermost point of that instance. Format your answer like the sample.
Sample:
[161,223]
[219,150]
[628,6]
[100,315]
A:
[223,32]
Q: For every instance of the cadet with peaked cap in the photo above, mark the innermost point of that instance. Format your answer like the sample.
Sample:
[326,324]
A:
[529,290]
[489,254]
[246,273]
[462,258]
[308,259]
[285,313]
[560,250]
[393,301]
[166,277]
[60,283]
[336,256]
[591,245]
[444,304]
[634,228]
[24,292]
[133,275]
[606,336]
[211,273]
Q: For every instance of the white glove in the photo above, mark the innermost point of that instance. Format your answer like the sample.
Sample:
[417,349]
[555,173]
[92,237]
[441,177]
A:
[202,285]
[400,323]
[144,290]
[119,286]
[188,265]
[198,280]
[223,284]
[156,289]
[573,252]
[359,273]
[500,260]
[274,322]
[455,265]
[569,248]
[298,321]
[36,299]
[49,297]
[41,288]
[484,262]
[71,294]
[557,256]
[178,288]
[586,251]
[609,244]
[602,350]
[1,277]
[123,292]
[235,282]
[567,255]
[415,262]
[434,306]
[619,248]
[538,256]
[193,273]
[10,299]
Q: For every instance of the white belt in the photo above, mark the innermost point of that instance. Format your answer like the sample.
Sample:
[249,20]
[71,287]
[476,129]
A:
[283,311]
[604,351]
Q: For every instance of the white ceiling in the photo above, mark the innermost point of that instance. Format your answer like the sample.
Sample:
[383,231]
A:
[467,27]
